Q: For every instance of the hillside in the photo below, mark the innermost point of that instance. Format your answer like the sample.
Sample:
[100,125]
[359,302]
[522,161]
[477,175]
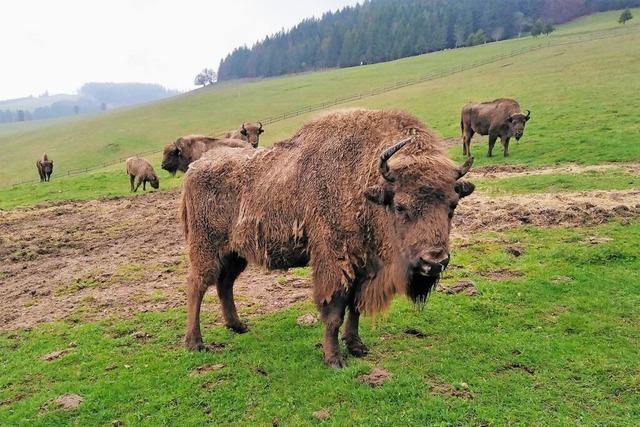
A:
[552,81]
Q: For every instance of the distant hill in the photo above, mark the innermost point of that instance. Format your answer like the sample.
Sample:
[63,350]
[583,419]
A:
[91,98]
[384,30]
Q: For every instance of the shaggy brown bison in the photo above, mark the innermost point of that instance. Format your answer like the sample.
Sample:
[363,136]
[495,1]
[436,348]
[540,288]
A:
[183,151]
[371,223]
[141,169]
[249,132]
[45,168]
[500,118]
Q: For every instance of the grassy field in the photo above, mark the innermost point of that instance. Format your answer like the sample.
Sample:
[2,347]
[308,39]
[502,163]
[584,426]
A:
[552,338]
[553,82]
[554,341]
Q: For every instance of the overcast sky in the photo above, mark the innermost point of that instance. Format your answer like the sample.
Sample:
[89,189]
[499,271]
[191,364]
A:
[57,45]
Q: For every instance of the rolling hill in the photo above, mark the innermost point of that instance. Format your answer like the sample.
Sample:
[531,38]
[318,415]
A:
[581,113]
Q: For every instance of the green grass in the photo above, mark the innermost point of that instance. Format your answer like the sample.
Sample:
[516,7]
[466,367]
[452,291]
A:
[110,182]
[581,97]
[570,317]
[615,179]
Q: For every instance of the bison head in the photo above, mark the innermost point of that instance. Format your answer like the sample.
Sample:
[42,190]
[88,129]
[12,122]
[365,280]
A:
[251,132]
[419,198]
[154,181]
[174,158]
[517,122]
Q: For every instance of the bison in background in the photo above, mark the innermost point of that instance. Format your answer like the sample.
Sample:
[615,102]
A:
[500,118]
[182,152]
[141,169]
[249,132]
[371,217]
[45,168]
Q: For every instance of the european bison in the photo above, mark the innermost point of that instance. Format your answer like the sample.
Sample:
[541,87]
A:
[141,169]
[183,151]
[249,132]
[500,118]
[45,168]
[334,196]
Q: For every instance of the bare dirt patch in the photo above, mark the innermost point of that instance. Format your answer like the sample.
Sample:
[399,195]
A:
[67,402]
[118,256]
[510,171]
[86,260]
[516,366]
[56,354]
[377,377]
[465,287]
[501,274]
[481,213]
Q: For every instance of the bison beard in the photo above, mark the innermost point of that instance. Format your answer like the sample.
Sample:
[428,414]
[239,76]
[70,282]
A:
[371,218]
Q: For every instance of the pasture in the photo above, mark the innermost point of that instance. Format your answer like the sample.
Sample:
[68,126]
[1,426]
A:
[534,323]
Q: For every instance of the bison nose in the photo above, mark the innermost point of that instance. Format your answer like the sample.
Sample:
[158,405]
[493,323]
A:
[434,265]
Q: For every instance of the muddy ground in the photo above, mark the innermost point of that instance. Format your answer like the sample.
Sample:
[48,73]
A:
[85,260]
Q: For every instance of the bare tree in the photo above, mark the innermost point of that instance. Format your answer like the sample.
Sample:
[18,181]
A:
[205,77]
[497,34]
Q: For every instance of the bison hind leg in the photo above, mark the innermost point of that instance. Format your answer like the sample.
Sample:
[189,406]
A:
[232,266]
[200,278]
[332,313]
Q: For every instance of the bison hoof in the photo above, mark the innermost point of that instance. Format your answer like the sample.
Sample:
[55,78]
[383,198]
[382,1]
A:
[239,328]
[195,346]
[335,361]
[356,348]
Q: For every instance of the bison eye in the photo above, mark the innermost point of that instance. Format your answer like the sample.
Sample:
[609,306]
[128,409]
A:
[401,209]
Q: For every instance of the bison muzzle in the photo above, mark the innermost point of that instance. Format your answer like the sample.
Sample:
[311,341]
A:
[364,197]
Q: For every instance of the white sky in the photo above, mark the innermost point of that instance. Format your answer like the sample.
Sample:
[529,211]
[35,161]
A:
[57,45]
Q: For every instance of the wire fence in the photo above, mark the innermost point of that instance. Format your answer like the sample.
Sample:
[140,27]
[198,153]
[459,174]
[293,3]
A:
[399,84]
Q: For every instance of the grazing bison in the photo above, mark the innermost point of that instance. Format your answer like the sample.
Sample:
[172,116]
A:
[180,154]
[371,223]
[45,168]
[249,132]
[141,169]
[500,118]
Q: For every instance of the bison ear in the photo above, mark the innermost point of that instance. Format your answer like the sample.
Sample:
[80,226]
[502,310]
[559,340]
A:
[260,131]
[379,195]
[464,188]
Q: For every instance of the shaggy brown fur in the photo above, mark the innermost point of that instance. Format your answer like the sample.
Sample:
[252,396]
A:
[324,198]
[183,151]
[141,169]
[45,168]
[249,132]
[500,118]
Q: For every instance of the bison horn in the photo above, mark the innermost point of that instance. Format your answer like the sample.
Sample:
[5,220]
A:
[528,113]
[386,155]
[462,170]
[260,123]
[243,127]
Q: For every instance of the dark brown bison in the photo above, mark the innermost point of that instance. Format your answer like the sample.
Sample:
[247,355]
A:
[500,118]
[336,196]
[249,132]
[141,169]
[183,151]
[45,168]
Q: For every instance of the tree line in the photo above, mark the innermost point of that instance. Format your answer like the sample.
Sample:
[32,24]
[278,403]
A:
[384,30]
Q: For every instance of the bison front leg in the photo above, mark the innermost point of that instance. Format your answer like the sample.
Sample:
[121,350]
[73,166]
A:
[333,315]
[351,336]
[505,145]
[492,143]
[232,266]
[138,183]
